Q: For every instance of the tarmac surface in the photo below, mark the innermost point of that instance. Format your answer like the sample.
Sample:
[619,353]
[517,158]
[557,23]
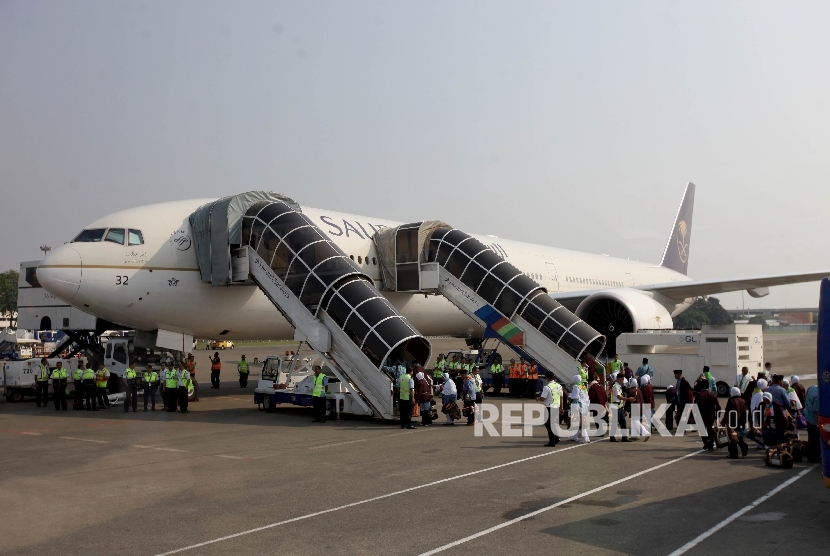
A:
[229,479]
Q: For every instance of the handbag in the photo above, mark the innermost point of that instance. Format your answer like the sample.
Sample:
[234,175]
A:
[800,422]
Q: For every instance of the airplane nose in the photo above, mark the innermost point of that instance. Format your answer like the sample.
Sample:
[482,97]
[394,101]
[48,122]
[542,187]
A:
[60,272]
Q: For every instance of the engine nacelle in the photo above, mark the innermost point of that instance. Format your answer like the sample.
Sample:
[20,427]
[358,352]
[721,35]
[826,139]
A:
[614,312]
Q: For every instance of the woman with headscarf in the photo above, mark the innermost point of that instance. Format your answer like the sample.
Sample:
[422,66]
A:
[423,395]
[800,391]
[795,406]
[773,423]
[708,405]
[638,408]
[754,407]
[449,393]
[579,410]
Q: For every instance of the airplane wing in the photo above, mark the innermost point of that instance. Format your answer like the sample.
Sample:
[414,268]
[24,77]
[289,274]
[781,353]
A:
[695,288]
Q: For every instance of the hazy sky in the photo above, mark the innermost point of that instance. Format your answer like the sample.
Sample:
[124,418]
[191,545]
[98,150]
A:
[574,124]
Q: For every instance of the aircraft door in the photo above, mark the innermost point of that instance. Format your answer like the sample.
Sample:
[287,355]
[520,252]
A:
[553,276]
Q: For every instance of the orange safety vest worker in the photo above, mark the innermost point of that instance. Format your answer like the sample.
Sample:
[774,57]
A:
[533,372]
[216,366]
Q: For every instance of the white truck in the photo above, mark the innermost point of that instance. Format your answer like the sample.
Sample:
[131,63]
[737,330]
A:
[290,380]
[725,349]
[18,377]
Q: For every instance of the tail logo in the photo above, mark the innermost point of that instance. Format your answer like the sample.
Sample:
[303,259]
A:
[682,242]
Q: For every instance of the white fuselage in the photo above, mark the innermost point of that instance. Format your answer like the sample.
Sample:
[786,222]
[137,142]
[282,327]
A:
[157,285]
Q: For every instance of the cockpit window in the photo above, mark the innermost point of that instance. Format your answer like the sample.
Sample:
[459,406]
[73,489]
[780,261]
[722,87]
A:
[135,238]
[95,234]
[115,235]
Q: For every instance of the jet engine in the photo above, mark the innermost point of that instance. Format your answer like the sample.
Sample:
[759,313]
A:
[613,312]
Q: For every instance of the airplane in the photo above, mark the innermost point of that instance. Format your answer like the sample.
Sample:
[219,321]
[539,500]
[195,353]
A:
[138,269]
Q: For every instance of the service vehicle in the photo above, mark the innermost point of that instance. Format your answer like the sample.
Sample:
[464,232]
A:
[220,344]
[287,379]
[18,377]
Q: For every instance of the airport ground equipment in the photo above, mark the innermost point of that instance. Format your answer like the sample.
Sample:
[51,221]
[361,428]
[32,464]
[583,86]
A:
[432,257]
[331,303]
[18,377]
[290,380]
[725,349]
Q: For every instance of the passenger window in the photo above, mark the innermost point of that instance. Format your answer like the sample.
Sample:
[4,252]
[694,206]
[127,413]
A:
[96,234]
[135,238]
[359,259]
[115,235]
[374,261]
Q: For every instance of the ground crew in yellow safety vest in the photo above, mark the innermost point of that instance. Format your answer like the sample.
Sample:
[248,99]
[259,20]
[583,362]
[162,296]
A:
[242,367]
[90,390]
[42,382]
[171,387]
[131,378]
[438,372]
[78,383]
[102,379]
[318,393]
[497,373]
[184,386]
[151,384]
[59,380]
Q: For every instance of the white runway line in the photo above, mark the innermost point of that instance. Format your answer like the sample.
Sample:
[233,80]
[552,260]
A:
[374,499]
[556,505]
[157,448]
[337,444]
[32,433]
[85,439]
[703,536]
[229,457]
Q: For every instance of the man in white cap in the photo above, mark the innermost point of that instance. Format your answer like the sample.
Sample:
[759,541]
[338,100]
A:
[579,410]
[743,379]
[755,406]
[449,393]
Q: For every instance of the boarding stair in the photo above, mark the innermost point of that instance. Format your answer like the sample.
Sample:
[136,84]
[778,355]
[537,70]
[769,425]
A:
[433,257]
[265,239]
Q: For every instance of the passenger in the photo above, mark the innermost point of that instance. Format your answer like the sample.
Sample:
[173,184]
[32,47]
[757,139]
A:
[617,407]
[796,385]
[497,374]
[42,382]
[639,415]
[449,394]
[78,384]
[734,417]
[707,403]
[215,369]
[779,394]
[684,393]
[551,397]
[151,385]
[795,406]
[773,424]
[671,401]
[579,410]
[647,390]
[131,390]
[598,396]
[59,381]
[318,393]
[767,371]
[645,369]
[242,367]
[183,386]
[811,415]
[102,379]
[627,372]
[469,394]
[749,390]
[90,389]
[743,380]
[710,380]
[755,407]
[406,393]
[423,396]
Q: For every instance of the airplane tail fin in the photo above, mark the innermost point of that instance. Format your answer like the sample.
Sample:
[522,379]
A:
[676,254]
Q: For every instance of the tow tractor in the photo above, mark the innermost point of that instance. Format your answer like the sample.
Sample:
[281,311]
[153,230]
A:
[287,379]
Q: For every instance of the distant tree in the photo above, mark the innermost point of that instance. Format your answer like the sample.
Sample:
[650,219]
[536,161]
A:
[705,310]
[758,319]
[8,294]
